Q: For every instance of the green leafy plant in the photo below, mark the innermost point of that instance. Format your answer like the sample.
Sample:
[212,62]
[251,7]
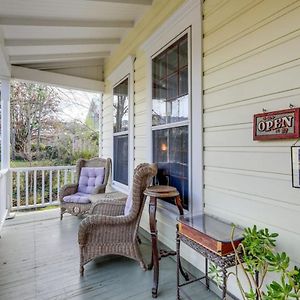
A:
[257,256]
[215,274]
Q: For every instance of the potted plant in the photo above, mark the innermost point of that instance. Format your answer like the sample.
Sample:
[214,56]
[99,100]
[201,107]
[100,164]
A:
[257,257]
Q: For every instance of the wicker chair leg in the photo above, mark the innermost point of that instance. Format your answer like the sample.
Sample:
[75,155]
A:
[139,257]
[62,211]
[81,270]
[139,239]
[143,265]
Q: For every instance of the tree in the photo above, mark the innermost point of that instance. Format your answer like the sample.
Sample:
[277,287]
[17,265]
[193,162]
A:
[33,116]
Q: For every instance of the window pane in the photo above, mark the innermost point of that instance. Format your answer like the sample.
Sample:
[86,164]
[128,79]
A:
[170,152]
[172,86]
[159,113]
[120,160]
[183,82]
[180,109]
[172,60]
[120,106]
[183,53]
[159,67]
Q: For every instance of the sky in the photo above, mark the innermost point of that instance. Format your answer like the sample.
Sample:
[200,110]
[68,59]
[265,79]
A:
[75,104]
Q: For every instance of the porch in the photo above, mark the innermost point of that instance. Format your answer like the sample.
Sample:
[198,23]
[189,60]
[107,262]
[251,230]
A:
[39,259]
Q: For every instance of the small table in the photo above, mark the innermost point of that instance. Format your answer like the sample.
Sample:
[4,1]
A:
[156,192]
[211,238]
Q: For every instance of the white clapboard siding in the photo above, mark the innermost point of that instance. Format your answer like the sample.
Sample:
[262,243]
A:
[286,78]
[238,136]
[259,37]
[253,19]
[241,112]
[107,126]
[255,65]
[265,185]
[251,62]
[141,111]
[261,161]
[226,14]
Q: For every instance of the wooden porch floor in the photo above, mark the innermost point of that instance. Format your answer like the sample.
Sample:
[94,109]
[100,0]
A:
[39,259]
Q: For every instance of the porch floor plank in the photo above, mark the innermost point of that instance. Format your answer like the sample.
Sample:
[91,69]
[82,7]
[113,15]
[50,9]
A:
[39,259]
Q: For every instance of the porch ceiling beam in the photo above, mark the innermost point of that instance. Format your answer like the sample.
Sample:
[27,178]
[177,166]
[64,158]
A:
[59,42]
[25,21]
[56,79]
[5,68]
[66,64]
[20,59]
[139,2]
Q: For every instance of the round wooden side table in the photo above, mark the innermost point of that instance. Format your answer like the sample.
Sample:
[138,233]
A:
[159,192]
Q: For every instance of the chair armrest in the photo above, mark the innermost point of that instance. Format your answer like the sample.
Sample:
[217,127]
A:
[99,189]
[68,189]
[108,207]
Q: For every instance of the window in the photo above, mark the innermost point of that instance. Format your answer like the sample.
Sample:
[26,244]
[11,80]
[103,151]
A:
[120,132]
[170,116]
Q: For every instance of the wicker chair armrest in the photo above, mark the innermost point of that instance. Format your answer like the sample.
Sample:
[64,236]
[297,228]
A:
[108,207]
[100,223]
[99,189]
[68,189]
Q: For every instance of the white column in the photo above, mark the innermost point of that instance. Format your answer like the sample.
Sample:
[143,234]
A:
[5,123]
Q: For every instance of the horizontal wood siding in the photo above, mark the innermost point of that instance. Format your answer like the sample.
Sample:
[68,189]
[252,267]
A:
[107,126]
[251,62]
[140,110]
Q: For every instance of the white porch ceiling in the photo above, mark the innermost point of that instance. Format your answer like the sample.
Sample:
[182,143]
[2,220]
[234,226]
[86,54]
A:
[61,34]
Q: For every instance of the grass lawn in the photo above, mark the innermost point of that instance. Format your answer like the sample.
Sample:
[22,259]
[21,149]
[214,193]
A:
[38,163]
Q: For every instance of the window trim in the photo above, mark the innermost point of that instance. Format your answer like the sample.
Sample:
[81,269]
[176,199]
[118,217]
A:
[187,122]
[116,183]
[188,15]
[123,71]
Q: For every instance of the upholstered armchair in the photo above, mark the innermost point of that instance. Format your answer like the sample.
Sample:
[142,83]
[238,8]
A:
[91,178]
[114,226]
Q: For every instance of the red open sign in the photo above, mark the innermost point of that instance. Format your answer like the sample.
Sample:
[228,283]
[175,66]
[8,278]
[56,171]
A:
[281,124]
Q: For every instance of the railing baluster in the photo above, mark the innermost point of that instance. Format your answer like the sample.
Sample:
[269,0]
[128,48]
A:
[11,190]
[26,189]
[18,189]
[50,186]
[58,184]
[66,176]
[43,187]
[72,176]
[34,188]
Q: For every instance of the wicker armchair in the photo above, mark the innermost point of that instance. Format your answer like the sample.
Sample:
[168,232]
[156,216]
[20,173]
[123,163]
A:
[113,230]
[75,208]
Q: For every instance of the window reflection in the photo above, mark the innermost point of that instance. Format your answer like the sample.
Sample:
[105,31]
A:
[120,106]
[170,152]
[170,84]
[120,128]
[120,162]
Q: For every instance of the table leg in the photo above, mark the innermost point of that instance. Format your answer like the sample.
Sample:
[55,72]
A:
[179,204]
[177,263]
[224,288]
[206,273]
[155,255]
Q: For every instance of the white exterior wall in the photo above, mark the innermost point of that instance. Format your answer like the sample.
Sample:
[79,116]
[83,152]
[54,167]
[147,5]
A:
[251,62]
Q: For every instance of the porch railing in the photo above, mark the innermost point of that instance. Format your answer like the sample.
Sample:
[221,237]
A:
[4,194]
[33,187]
